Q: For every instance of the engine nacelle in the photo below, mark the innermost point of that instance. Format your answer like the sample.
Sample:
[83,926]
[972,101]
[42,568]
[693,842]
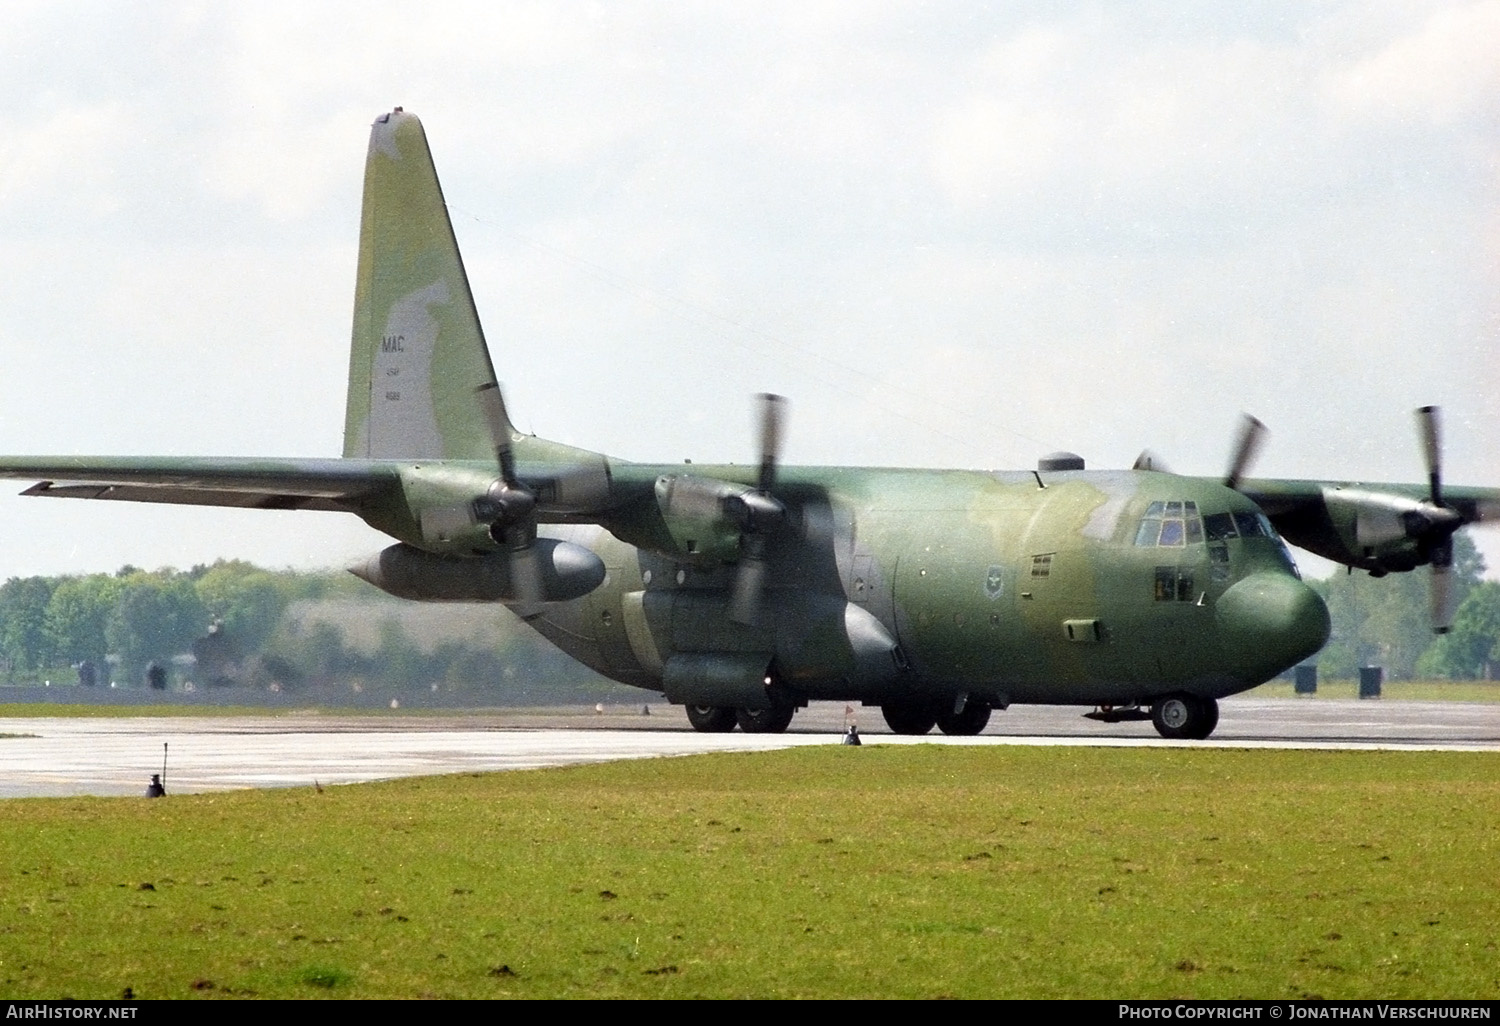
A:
[569,571]
[697,512]
[1380,531]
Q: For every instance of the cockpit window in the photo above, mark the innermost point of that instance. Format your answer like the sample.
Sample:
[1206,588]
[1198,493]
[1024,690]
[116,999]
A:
[1251,525]
[1170,525]
[1219,527]
[1178,524]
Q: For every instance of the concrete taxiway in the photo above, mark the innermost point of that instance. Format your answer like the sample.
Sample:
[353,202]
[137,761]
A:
[117,755]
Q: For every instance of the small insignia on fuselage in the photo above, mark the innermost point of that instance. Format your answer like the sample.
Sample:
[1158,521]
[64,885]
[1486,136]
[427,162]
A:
[994,582]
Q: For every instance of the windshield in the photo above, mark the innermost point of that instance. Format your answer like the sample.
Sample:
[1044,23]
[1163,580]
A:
[1170,524]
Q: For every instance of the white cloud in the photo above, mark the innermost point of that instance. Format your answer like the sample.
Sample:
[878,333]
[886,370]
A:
[1445,69]
[68,151]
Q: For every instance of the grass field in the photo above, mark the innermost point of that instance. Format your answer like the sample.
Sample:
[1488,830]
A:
[1391,691]
[43,710]
[889,871]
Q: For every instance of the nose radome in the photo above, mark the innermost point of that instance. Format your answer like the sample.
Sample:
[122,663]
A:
[1271,621]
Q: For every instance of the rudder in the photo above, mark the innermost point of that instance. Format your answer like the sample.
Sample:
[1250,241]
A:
[417,352]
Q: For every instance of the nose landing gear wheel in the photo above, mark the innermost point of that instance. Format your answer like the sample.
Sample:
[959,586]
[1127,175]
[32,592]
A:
[1183,717]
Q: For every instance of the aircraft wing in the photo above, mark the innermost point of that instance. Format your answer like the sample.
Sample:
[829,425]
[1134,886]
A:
[342,485]
[1373,526]
[1281,498]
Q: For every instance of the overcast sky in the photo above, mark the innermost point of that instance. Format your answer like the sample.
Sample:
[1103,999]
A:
[953,237]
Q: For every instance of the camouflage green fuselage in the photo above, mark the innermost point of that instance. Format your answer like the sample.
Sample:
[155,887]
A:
[1014,587]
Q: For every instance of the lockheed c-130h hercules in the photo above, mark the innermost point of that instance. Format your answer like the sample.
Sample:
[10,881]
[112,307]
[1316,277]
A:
[742,592]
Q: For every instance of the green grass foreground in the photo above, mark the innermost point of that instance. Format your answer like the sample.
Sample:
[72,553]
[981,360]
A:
[46,710]
[883,871]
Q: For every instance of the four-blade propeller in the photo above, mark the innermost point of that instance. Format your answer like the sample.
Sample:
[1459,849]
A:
[758,515]
[1381,519]
[1434,524]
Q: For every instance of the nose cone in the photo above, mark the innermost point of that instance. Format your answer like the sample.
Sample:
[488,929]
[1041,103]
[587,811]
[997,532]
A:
[1269,622]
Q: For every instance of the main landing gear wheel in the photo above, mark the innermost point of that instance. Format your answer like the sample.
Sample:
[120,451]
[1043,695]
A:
[965,723]
[773,720]
[711,719]
[1184,717]
[911,718]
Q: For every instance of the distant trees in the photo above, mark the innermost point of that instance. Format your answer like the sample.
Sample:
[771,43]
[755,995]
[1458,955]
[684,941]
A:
[155,617]
[25,641]
[247,626]
[1472,649]
[78,615]
[246,601]
[1387,621]
[135,617]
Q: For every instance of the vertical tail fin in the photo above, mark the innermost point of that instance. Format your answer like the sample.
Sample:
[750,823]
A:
[418,352]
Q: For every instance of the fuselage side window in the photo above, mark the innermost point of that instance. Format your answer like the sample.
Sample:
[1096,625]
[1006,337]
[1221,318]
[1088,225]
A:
[1173,584]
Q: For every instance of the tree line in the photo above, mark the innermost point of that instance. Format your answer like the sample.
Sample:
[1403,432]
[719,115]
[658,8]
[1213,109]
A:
[235,624]
[1387,622]
[134,617]
[244,625]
